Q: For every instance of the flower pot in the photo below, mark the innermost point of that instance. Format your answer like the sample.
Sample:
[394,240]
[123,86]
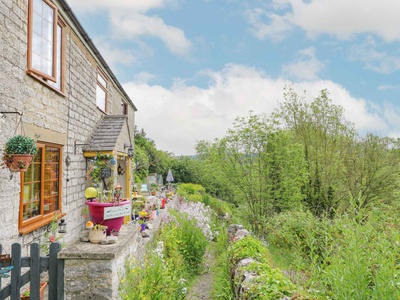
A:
[41,292]
[96,210]
[142,227]
[96,236]
[153,215]
[19,162]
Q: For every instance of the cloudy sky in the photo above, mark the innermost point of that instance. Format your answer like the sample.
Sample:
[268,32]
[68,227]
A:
[192,66]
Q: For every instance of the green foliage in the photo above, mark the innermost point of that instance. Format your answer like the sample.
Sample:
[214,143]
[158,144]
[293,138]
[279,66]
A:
[222,285]
[194,197]
[190,189]
[191,243]
[186,169]
[354,256]
[148,159]
[19,144]
[303,234]
[269,283]
[264,168]
[175,256]
[95,172]
[158,278]
[249,246]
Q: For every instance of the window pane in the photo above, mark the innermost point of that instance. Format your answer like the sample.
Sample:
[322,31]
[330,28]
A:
[100,98]
[52,154]
[50,204]
[35,193]
[50,188]
[42,37]
[57,84]
[101,80]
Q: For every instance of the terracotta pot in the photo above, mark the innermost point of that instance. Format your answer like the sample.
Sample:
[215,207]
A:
[41,292]
[19,162]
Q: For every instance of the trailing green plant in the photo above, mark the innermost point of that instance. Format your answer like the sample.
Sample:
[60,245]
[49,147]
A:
[50,236]
[96,175]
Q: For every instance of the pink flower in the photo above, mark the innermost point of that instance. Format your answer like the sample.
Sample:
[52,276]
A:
[52,239]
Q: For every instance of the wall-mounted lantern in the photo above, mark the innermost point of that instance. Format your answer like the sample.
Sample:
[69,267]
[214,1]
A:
[62,226]
[130,150]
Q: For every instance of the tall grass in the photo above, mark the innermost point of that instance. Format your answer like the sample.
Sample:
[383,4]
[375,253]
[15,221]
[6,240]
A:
[222,286]
[341,258]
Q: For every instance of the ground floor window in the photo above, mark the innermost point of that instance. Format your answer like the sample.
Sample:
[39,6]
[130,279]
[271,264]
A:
[41,188]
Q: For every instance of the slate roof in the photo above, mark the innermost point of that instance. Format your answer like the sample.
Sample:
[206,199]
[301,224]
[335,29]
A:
[107,133]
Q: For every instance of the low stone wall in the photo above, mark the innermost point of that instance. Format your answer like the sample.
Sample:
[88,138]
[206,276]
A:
[94,271]
[247,275]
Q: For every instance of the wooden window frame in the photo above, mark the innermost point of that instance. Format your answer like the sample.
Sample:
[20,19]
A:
[51,84]
[53,76]
[104,88]
[42,219]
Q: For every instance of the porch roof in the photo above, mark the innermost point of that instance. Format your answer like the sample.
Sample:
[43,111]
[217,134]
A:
[107,135]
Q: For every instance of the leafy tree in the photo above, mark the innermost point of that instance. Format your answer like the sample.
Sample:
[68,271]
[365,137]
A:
[323,131]
[265,169]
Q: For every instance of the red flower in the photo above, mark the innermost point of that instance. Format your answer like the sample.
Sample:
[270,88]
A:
[52,239]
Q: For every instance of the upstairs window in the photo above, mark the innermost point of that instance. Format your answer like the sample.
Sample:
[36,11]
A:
[45,44]
[101,91]
[42,39]
[124,108]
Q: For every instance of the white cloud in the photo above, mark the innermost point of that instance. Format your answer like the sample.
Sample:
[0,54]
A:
[178,117]
[277,28]
[341,18]
[114,55]
[373,59]
[388,87]
[306,67]
[118,5]
[129,21]
[135,25]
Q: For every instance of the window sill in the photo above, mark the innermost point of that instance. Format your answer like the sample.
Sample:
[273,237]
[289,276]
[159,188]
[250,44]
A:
[45,220]
[33,75]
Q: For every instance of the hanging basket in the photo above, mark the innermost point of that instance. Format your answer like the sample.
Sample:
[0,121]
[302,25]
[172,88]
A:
[18,162]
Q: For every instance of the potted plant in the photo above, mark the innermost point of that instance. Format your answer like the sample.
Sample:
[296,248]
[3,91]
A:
[27,294]
[101,172]
[153,188]
[97,233]
[18,153]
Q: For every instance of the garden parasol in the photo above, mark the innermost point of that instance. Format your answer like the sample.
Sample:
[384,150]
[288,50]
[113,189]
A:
[169,177]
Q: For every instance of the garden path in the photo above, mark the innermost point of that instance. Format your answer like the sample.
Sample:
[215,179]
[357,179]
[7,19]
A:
[202,285]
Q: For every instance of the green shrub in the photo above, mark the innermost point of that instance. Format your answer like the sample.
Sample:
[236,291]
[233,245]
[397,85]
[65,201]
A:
[194,197]
[247,247]
[269,283]
[186,189]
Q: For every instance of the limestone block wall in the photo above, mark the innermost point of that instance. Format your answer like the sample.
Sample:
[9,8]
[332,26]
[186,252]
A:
[58,118]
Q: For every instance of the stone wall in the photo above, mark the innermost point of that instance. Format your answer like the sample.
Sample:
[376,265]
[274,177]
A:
[94,271]
[61,118]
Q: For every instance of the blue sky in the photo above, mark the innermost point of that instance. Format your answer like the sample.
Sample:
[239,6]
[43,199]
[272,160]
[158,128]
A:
[191,67]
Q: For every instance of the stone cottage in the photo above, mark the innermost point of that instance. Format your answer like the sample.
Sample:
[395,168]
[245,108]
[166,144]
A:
[57,88]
